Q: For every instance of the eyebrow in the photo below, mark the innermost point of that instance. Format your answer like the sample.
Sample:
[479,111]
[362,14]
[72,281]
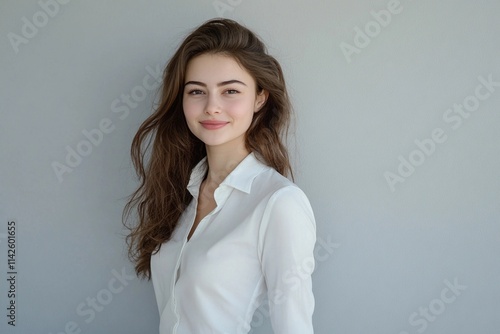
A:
[223,83]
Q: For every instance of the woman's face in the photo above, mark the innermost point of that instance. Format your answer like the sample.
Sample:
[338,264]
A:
[219,100]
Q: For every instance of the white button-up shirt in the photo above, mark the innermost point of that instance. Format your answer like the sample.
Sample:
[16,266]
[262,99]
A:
[256,246]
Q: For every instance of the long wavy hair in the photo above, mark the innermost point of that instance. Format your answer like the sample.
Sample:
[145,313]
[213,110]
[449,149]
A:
[164,151]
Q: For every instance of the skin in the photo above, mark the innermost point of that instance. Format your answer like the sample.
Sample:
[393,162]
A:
[217,88]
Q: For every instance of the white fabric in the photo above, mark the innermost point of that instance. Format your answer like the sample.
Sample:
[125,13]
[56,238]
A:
[256,246]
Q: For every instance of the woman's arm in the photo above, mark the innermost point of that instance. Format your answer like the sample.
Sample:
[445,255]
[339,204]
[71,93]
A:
[286,244]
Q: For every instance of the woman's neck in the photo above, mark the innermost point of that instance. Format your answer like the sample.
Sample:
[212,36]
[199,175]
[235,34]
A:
[222,161]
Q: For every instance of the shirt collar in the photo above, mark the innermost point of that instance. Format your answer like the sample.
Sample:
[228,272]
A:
[240,178]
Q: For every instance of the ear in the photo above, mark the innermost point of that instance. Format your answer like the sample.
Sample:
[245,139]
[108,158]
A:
[261,99]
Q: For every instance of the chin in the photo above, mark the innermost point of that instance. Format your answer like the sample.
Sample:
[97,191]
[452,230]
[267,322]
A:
[223,143]
[215,143]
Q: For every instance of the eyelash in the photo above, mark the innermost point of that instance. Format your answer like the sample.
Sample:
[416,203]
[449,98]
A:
[199,92]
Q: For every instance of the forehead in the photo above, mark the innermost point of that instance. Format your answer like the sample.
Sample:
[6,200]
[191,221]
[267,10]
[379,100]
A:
[214,68]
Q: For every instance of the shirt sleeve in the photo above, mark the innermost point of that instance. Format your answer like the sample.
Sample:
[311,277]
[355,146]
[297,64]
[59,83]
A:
[287,237]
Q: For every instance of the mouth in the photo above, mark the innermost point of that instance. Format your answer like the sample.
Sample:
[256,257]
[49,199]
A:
[213,125]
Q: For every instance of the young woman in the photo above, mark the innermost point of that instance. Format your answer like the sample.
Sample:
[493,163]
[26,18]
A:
[220,229]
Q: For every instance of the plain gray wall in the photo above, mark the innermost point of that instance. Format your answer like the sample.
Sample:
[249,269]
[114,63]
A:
[377,86]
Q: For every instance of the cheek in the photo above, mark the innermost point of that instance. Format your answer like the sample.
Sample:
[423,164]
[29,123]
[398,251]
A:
[189,109]
[189,116]
[240,108]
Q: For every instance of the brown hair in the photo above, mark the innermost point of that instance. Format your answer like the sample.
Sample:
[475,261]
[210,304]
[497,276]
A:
[162,196]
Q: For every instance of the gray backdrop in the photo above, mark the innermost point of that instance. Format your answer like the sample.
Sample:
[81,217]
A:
[396,145]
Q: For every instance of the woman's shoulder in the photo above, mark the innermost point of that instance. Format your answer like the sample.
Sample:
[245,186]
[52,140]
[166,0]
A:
[271,183]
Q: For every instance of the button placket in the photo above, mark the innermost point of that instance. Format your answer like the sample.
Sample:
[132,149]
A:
[221,194]
[178,265]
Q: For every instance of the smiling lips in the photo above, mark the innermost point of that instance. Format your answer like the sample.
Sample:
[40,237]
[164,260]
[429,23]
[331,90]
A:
[213,125]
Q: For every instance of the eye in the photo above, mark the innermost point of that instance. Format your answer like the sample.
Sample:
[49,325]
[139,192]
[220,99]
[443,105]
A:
[195,92]
[231,91]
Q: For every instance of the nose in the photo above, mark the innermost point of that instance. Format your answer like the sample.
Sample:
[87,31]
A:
[213,105]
